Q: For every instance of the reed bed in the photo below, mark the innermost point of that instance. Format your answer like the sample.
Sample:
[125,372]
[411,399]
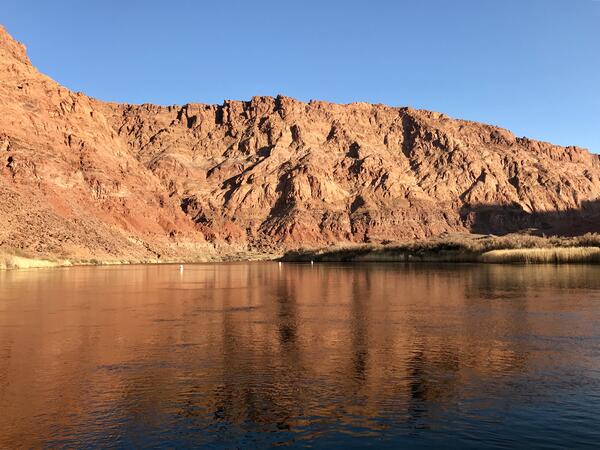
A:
[557,255]
[20,262]
[515,248]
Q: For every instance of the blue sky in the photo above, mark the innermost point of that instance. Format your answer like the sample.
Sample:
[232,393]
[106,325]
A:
[532,66]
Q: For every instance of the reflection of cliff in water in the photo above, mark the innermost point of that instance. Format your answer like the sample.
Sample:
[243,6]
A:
[255,345]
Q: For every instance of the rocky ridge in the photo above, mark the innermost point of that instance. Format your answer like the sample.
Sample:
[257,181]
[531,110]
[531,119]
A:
[87,179]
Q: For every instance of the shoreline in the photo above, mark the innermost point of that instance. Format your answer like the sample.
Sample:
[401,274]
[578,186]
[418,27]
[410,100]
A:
[13,262]
[509,249]
[541,255]
[486,249]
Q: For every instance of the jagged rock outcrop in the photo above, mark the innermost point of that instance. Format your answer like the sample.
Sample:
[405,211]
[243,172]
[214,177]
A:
[89,179]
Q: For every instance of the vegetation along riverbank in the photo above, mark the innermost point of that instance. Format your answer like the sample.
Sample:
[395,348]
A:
[516,248]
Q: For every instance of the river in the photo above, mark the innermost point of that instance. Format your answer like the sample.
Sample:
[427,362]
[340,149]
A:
[249,355]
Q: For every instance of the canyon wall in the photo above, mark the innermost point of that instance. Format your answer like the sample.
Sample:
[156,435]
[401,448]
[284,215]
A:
[82,178]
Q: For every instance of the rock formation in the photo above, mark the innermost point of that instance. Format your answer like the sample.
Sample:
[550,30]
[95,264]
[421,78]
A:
[82,178]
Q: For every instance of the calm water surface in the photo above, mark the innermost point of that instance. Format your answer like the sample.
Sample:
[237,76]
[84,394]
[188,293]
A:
[253,355]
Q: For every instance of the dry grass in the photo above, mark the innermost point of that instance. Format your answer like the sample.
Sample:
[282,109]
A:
[558,255]
[21,262]
[515,248]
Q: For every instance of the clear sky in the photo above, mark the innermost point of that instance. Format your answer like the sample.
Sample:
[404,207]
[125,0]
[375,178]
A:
[532,66]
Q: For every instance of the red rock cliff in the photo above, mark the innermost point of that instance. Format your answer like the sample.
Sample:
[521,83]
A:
[85,178]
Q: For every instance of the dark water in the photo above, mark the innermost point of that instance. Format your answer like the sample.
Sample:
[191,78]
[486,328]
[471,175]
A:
[253,355]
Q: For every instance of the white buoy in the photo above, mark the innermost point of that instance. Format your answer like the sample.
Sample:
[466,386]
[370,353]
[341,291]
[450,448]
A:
[279,264]
[180,268]
[311,262]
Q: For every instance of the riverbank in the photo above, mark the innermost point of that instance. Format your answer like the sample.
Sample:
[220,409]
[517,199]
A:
[510,249]
[11,262]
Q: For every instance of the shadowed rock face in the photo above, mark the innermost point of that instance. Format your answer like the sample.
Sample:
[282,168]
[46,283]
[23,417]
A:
[85,178]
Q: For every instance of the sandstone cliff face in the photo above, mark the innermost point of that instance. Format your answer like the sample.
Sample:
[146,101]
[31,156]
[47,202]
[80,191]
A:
[89,179]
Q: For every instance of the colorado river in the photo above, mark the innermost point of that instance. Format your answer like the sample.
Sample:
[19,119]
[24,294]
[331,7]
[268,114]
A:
[256,354]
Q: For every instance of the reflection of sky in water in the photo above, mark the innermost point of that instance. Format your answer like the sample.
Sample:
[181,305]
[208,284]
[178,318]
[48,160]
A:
[249,355]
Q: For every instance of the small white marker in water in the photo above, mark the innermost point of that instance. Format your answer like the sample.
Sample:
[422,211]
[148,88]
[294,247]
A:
[279,263]
[181,268]
[311,262]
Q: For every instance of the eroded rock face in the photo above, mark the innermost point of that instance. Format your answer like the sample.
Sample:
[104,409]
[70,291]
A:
[85,178]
